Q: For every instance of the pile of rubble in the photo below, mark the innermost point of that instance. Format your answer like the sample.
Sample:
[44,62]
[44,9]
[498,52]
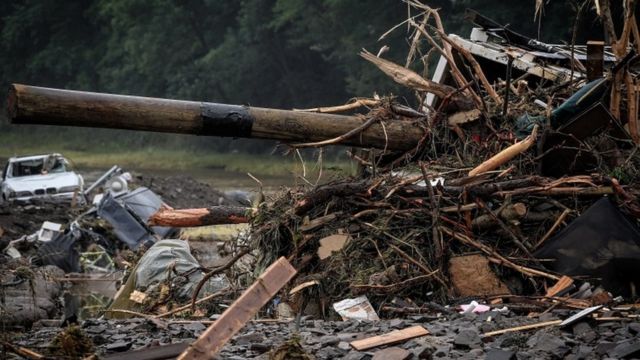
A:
[509,206]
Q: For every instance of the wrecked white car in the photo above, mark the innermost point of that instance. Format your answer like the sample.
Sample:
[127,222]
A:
[40,177]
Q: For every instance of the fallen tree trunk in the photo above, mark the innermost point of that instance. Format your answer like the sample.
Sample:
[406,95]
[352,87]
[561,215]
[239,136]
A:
[215,215]
[46,106]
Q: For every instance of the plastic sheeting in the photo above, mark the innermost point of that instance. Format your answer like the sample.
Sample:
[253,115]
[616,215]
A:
[171,259]
[601,244]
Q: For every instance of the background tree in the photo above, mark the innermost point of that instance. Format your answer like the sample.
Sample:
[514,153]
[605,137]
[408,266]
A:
[272,53]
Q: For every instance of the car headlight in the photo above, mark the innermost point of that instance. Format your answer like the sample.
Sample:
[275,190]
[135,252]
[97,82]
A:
[18,194]
[66,189]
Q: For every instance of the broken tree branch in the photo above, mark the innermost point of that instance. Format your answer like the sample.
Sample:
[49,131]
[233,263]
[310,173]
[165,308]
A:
[474,65]
[505,155]
[346,107]
[213,272]
[407,77]
[215,215]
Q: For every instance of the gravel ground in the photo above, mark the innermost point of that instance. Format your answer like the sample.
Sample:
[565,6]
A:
[454,336]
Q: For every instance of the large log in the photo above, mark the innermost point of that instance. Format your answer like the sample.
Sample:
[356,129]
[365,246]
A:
[46,106]
[215,215]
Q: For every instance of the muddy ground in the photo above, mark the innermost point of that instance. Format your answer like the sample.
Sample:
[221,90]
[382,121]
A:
[179,191]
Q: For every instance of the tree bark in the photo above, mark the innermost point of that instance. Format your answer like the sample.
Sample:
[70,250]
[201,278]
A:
[215,215]
[46,106]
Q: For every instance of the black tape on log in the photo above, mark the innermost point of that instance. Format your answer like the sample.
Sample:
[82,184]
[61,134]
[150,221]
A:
[226,120]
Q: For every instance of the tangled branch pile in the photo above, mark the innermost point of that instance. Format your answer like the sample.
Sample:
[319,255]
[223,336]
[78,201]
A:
[481,181]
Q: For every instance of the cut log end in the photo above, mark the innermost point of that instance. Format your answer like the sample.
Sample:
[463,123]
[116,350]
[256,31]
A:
[12,103]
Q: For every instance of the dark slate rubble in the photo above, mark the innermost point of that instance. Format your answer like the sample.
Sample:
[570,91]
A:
[452,337]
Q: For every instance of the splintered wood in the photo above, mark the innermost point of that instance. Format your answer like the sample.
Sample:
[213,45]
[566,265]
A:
[241,311]
[215,215]
[505,155]
[393,337]
[471,276]
[559,286]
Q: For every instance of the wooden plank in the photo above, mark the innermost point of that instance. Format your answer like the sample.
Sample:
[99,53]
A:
[595,59]
[524,327]
[562,284]
[393,337]
[241,311]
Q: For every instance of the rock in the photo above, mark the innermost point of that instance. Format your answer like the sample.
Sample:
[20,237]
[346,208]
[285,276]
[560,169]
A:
[467,339]
[328,353]
[547,317]
[547,343]
[195,327]
[252,337]
[119,337]
[500,354]
[260,347]
[343,345]
[584,332]
[493,315]
[584,352]
[627,349]
[99,329]
[442,352]
[119,346]
[423,352]
[410,344]
[397,323]
[604,347]
[634,328]
[355,355]
[329,340]
[348,336]
[524,355]
[392,353]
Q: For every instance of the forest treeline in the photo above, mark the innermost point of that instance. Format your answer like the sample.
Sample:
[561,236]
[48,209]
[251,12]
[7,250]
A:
[271,53]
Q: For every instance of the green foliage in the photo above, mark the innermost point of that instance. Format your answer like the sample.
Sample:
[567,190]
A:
[271,53]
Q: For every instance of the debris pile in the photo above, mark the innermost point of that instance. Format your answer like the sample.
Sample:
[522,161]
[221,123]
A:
[479,207]
[511,189]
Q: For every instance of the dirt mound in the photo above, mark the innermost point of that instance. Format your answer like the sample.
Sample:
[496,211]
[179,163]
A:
[183,191]
[18,220]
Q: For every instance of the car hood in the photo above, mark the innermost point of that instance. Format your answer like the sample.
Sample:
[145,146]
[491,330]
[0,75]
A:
[30,183]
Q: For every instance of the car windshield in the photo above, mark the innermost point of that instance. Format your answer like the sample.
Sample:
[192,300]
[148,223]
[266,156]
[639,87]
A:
[39,166]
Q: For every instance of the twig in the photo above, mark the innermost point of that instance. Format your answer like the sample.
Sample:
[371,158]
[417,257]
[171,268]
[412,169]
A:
[411,260]
[130,312]
[504,227]
[524,327]
[392,287]
[553,228]
[506,154]
[474,64]
[434,213]
[213,272]
[457,75]
[340,138]
[186,307]
[341,108]
[24,352]
[494,256]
